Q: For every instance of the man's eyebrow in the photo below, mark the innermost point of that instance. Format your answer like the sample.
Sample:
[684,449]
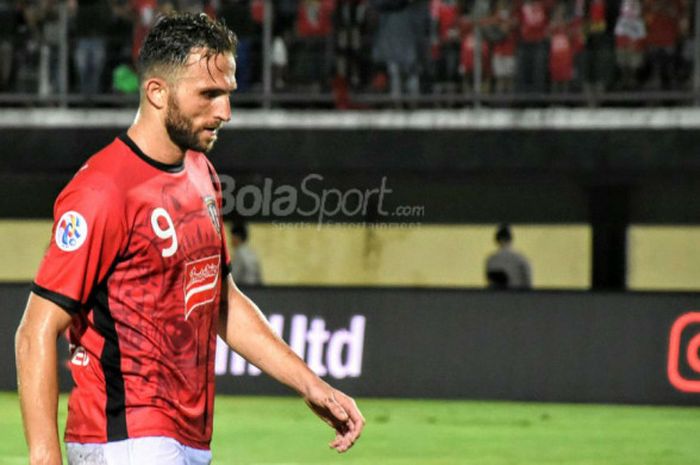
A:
[217,90]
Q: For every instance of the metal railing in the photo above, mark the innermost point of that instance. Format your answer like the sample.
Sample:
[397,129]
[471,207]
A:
[53,90]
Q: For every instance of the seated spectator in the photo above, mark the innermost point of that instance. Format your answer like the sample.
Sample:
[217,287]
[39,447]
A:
[245,266]
[630,32]
[506,268]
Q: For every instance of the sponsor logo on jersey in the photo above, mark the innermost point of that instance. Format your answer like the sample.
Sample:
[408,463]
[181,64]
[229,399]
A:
[201,282]
[71,231]
[80,356]
[213,213]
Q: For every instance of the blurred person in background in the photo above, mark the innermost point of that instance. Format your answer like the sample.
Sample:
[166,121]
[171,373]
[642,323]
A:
[238,15]
[445,44]
[506,268]
[598,59]
[91,20]
[532,53]
[401,43]
[562,49]
[51,32]
[504,48]
[245,266]
[630,34]
[663,20]
[312,56]
[467,54]
[118,62]
[144,15]
[285,16]
[25,66]
[350,26]
[8,25]
[351,66]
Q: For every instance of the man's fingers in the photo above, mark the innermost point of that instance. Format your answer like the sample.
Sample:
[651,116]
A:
[341,413]
[337,410]
[356,421]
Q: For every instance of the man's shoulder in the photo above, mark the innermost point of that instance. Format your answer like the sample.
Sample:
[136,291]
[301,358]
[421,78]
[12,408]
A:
[103,173]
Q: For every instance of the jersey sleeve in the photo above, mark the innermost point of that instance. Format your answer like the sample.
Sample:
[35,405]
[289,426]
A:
[87,235]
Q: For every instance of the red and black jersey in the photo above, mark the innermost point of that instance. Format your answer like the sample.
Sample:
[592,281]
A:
[138,256]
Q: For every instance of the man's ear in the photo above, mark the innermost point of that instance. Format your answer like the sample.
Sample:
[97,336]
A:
[156,90]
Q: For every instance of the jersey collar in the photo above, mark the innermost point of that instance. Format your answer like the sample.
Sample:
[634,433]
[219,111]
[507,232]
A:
[167,167]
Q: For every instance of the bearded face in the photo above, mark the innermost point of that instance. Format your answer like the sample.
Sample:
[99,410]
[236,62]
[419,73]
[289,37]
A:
[182,130]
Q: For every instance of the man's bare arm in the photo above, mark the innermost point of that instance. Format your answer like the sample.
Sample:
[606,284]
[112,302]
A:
[37,377]
[245,330]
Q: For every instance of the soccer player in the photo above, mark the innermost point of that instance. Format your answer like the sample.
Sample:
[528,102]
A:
[138,272]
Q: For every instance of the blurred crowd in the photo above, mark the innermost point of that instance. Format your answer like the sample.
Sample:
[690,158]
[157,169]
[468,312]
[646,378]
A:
[394,47]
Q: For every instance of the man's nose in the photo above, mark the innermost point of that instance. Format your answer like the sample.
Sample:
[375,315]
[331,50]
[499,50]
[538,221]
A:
[223,108]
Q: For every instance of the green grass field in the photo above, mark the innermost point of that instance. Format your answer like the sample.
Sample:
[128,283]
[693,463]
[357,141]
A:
[281,431]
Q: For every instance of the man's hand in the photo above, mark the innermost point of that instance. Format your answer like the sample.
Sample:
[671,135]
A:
[340,412]
[244,328]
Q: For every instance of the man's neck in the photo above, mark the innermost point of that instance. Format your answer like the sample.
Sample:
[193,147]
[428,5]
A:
[153,139]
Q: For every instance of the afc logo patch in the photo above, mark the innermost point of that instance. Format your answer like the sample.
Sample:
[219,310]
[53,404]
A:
[71,231]
[201,282]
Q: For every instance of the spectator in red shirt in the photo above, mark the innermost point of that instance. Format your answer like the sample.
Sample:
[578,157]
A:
[503,62]
[144,17]
[533,20]
[663,22]
[445,43]
[561,52]
[312,57]
[467,49]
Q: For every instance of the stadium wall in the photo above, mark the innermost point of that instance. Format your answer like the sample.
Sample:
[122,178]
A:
[536,346]
[554,168]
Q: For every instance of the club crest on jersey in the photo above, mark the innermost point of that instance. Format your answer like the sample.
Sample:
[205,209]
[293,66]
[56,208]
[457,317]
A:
[201,282]
[210,203]
[71,231]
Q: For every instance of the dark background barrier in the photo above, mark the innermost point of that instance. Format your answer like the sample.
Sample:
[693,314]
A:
[461,176]
[544,346]
[608,179]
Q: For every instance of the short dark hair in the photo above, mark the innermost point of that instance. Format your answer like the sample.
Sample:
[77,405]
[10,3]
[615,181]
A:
[503,233]
[174,36]
[240,229]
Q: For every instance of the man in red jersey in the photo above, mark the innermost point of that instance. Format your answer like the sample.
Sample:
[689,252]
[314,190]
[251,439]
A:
[138,272]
